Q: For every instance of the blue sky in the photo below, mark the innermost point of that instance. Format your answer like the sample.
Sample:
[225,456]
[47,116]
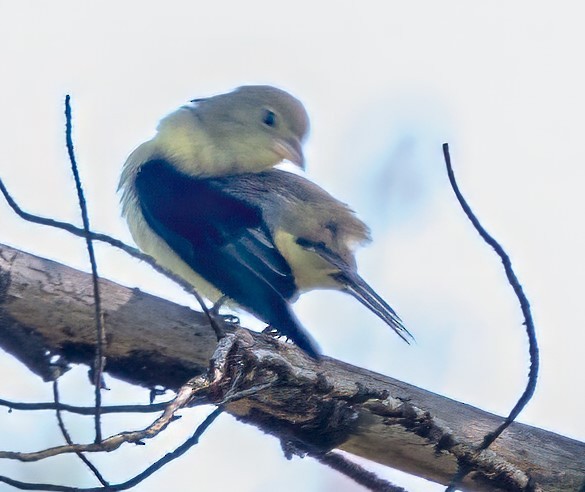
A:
[385,84]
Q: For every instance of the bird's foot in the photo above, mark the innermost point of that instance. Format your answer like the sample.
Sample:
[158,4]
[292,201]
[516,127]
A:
[274,333]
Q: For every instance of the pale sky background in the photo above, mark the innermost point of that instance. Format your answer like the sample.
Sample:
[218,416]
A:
[385,84]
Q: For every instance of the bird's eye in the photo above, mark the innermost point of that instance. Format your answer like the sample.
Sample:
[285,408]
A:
[269,118]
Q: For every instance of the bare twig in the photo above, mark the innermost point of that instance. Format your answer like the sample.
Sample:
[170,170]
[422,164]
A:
[182,449]
[98,366]
[528,322]
[68,440]
[184,396]
[14,405]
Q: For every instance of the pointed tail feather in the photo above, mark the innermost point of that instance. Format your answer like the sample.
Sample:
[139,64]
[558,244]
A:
[358,288]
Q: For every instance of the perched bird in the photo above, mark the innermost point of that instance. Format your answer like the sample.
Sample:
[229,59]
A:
[203,198]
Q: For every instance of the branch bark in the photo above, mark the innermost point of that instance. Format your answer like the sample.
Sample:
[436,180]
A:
[47,309]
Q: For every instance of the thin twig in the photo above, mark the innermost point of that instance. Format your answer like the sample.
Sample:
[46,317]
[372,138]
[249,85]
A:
[356,472]
[99,361]
[184,396]
[182,449]
[524,305]
[69,441]
[154,407]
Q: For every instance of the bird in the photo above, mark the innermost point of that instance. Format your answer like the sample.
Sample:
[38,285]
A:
[204,199]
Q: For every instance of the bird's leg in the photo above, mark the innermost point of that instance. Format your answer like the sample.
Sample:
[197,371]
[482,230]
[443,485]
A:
[217,306]
[230,319]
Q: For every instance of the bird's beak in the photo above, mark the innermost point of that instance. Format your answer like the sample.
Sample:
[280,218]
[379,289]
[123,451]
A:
[290,150]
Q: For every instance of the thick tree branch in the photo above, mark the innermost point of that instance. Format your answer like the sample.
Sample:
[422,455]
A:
[47,308]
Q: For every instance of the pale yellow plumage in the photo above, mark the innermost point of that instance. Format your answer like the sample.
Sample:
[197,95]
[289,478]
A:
[217,136]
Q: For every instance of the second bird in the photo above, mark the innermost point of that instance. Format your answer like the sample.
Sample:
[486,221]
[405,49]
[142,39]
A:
[202,198]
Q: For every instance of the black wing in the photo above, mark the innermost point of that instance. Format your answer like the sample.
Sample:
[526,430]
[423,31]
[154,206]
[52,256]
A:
[224,239]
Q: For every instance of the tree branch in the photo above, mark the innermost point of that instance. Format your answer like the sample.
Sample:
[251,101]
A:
[312,407]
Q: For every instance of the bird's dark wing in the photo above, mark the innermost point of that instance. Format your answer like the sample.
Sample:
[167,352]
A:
[223,239]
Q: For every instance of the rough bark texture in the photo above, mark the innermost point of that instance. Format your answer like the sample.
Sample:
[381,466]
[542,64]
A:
[46,309]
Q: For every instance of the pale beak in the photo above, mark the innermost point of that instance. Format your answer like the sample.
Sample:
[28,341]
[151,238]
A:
[290,150]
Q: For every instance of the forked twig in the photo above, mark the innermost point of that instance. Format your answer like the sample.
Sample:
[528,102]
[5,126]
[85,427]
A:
[185,395]
[182,449]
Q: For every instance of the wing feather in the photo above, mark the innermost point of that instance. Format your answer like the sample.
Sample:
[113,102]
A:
[224,239]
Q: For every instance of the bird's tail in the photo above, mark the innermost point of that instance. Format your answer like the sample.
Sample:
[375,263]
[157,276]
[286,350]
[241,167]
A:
[358,288]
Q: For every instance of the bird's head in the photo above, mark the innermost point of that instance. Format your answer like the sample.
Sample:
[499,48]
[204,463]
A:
[248,130]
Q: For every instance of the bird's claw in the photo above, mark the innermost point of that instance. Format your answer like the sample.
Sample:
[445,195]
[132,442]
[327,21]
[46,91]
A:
[274,333]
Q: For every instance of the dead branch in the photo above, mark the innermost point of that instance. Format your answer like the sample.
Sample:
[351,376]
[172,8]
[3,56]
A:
[46,309]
